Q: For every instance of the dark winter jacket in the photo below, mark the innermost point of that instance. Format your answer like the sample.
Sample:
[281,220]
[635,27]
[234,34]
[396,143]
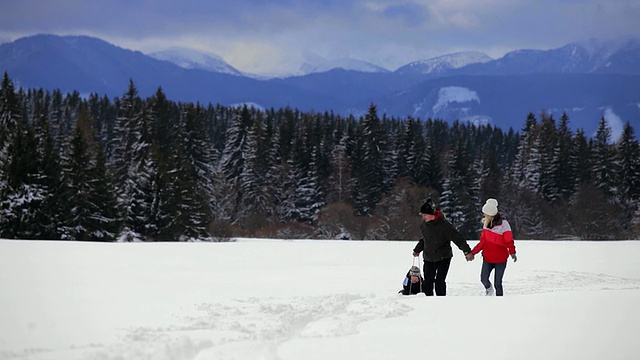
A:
[437,236]
[409,288]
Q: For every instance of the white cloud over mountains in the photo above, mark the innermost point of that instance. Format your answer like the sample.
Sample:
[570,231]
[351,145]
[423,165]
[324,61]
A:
[271,36]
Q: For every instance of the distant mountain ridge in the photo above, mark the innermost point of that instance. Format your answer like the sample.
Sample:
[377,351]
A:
[90,65]
[441,64]
[344,64]
[587,80]
[192,59]
[587,57]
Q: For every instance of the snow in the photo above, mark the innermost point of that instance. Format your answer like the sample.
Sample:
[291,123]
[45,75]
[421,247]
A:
[478,120]
[310,299]
[195,59]
[444,62]
[451,94]
[320,66]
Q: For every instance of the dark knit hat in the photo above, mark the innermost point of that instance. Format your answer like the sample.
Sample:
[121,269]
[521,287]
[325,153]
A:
[428,207]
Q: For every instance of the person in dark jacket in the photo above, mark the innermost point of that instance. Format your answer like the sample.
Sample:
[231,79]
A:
[437,235]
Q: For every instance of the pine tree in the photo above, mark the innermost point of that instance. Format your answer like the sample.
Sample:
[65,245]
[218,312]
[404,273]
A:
[628,158]
[310,197]
[521,207]
[49,171]
[23,194]
[189,212]
[604,166]
[459,196]
[527,163]
[548,150]
[370,172]
[390,163]
[475,181]
[125,136]
[104,220]
[160,168]
[9,119]
[233,159]
[89,207]
[489,176]
[412,151]
[9,108]
[565,167]
[200,152]
[288,193]
[258,201]
[340,185]
[404,151]
[581,159]
[430,168]
[294,202]
[138,191]
[162,111]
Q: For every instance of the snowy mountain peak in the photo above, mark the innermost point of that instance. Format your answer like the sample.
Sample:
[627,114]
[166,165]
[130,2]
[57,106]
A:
[195,59]
[319,65]
[605,48]
[443,63]
[588,56]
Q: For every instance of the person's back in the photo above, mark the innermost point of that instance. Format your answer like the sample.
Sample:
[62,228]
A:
[496,244]
[498,241]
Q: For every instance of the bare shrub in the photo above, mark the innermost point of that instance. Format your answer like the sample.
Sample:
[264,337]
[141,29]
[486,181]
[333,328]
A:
[396,215]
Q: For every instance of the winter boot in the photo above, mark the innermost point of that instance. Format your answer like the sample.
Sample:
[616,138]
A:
[489,291]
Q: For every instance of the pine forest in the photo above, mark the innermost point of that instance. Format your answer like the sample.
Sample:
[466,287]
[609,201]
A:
[92,168]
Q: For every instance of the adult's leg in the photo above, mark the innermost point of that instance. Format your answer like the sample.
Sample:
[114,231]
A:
[484,274]
[500,269]
[441,276]
[429,277]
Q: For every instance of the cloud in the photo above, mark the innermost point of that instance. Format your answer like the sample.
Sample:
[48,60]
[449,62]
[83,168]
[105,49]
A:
[615,123]
[274,34]
[410,14]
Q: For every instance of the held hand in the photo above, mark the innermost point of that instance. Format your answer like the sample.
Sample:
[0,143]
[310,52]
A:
[415,254]
[469,256]
[514,257]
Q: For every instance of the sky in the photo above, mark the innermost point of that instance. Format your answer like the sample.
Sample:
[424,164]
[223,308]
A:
[310,299]
[278,36]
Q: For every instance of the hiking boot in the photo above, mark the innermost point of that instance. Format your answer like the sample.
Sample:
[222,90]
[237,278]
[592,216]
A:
[489,291]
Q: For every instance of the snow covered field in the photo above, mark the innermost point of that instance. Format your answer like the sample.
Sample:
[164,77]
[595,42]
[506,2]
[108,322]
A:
[291,300]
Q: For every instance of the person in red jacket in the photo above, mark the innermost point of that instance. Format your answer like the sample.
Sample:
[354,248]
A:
[496,244]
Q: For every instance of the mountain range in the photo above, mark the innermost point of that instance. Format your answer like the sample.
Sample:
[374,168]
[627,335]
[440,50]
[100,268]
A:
[192,59]
[587,80]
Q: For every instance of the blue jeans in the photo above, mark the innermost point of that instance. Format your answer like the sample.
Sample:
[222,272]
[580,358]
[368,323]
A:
[487,267]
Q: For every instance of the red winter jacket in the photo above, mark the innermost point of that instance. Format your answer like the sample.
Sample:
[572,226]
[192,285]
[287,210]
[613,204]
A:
[496,243]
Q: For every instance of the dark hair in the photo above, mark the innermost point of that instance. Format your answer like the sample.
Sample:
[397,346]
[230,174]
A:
[495,221]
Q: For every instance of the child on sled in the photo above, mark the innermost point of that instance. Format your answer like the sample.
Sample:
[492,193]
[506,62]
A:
[412,283]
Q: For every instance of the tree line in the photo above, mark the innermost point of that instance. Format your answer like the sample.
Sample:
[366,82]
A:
[78,167]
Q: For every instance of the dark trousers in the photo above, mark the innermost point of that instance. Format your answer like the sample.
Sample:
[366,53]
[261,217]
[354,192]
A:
[435,273]
[499,268]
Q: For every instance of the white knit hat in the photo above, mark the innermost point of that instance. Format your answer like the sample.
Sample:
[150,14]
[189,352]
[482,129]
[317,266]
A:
[490,207]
